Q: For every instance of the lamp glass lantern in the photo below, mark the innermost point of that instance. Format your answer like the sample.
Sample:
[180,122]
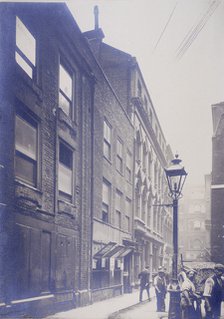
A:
[176,176]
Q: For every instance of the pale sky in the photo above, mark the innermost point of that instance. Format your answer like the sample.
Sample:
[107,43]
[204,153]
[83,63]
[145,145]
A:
[182,89]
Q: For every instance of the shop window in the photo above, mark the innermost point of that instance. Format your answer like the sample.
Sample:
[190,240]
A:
[65,90]
[25,54]
[26,149]
[100,274]
[65,173]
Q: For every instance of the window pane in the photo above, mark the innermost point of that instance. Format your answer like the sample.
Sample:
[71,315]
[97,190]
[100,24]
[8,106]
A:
[118,219]
[65,179]
[65,156]
[128,160]
[65,82]
[127,223]
[119,164]
[105,212]
[119,148]
[106,193]
[106,150]
[26,138]
[24,65]
[25,41]
[128,173]
[65,104]
[118,201]
[25,170]
[107,132]
[128,207]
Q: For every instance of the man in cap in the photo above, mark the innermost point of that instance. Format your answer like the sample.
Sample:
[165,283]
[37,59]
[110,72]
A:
[144,282]
[160,289]
[213,293]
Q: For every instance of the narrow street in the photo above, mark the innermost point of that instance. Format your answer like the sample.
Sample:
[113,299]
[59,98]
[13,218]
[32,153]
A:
[144,310]
[147,310]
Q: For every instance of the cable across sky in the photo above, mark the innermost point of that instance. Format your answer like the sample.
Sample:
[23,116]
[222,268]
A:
[195,30]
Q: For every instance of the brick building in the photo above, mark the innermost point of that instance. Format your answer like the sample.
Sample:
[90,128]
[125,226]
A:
[112,249]
[152,223]
[81,160]
[46,121]
[217,184]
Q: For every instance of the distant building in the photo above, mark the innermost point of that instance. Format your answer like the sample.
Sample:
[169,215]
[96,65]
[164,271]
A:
[217,184]
[194,223]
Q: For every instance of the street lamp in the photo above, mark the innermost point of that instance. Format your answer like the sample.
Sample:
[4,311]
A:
[176,176]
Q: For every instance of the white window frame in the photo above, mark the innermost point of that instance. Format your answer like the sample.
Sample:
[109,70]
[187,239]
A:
[26,153]
[25,54]
[64,94]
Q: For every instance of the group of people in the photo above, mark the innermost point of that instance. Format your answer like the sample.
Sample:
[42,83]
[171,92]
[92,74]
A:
[190,301]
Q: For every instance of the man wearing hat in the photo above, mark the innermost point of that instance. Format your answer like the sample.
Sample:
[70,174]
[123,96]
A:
[144,282]
[160,289]
[213,293]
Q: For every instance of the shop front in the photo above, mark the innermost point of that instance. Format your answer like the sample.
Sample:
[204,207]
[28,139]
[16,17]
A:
[111,269]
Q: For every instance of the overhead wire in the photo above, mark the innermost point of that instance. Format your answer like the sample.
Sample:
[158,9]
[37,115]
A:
[165,27]
[194,31]
[190,35]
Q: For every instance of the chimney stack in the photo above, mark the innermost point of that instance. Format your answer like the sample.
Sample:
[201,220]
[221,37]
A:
[96,17]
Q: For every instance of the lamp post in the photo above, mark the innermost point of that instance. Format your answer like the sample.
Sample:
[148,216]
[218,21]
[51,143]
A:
[176,176]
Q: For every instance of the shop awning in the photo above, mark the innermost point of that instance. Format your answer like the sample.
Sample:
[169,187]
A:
[113,252]
[112,249]
[107,248]
[125,252]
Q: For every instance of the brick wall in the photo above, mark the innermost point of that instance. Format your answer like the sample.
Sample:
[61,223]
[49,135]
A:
[48,238]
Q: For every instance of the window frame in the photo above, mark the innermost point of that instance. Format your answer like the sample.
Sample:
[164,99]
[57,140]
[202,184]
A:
[63,194]
[118,208]
[22,55]
[129,168]
[31,121]
[119,157]
[104,203]
[72,74]
[106,141]
[128,214]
